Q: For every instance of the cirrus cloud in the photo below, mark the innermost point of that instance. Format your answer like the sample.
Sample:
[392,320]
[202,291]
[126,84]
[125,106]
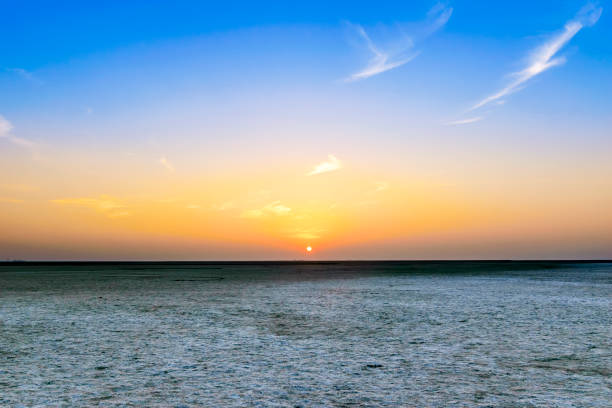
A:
[544,57]
[273,208]
[331,164]
[166,163]
[6,128]
[397,48]
[104,204]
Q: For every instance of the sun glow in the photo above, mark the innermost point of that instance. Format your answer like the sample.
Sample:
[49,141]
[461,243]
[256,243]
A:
[308,248]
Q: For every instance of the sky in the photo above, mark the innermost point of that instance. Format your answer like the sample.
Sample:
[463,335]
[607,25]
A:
[187,130]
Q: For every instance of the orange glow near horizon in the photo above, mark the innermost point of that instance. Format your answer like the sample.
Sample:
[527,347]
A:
[256,141]
[349,212]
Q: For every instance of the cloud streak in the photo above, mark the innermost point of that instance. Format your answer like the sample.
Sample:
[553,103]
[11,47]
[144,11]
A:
[331,164]
[6,133]
[166,163]
[465,121]
[104,204]
[380,62]
[273,208]
[399,51]
[22,73]
[381,186]
[544,57]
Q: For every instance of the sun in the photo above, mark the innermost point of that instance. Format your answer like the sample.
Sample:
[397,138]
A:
[309,248]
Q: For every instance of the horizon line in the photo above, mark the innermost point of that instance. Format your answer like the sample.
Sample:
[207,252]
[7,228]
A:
[565,260]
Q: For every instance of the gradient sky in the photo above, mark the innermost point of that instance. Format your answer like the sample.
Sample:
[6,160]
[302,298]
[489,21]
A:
[387,130]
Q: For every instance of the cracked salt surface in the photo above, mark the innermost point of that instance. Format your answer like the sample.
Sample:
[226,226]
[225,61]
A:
[309,335]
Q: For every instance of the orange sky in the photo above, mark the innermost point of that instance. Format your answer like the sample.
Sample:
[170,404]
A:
[340,209]
[426,132]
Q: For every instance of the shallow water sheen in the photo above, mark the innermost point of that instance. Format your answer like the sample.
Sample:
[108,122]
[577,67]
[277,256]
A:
[310,335]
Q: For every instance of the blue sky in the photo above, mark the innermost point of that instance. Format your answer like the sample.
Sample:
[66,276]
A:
[46,32]
[489,96]
[131,62]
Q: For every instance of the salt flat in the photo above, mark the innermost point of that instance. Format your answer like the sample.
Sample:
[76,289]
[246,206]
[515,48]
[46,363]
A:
[306,334]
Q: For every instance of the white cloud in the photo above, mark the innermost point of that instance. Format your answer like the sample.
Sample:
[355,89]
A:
[24,74]
[5,126]
[543,57]
[380,62]
[107,205]
[6,133]
[399,49]
[277,208]
[466,121]
[381,186]
[273,208]
[331,164]
[166,163]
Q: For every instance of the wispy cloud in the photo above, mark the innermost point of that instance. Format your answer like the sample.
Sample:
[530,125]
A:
[398,50]
[277,208]
[166,163]
[10,200]
[381,186]
[5,126]
[331,164]
[273,208]
[307,234]
[24,74]
[6,133]
[544,57]
[107,205]
[381,61]
[465,121]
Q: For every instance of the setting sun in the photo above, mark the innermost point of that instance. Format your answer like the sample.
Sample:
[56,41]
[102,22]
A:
[418,177]
[163,163]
